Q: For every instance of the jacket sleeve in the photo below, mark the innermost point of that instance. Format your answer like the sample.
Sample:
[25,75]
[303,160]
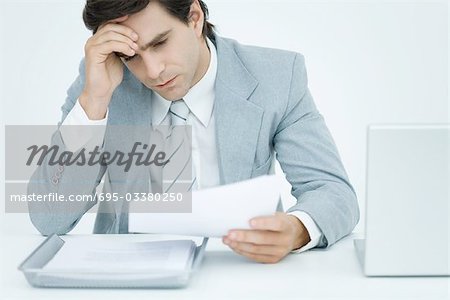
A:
[310,160]
[61,216]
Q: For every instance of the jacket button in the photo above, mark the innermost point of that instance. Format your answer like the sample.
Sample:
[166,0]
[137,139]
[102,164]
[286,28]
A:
[60,168]
[55,180]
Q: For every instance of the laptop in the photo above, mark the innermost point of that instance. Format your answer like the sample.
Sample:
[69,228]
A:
[407,229]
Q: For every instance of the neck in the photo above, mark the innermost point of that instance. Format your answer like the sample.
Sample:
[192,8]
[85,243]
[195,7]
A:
[204,61]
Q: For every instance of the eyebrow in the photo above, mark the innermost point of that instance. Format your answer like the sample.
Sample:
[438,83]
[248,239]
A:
[155,40]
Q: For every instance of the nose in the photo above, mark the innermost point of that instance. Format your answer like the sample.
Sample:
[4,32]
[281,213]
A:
[154,66]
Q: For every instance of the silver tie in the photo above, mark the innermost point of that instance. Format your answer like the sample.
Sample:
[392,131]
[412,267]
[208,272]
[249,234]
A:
[179,113]
[179,147]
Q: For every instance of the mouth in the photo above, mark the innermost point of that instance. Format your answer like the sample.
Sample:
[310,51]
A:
[167,83]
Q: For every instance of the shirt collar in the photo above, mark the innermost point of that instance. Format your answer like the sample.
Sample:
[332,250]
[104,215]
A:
[199,99]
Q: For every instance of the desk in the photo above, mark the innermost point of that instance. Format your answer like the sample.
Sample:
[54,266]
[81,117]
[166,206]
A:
[318,274]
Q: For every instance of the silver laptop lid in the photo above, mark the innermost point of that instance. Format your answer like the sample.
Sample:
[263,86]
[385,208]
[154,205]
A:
[407,200]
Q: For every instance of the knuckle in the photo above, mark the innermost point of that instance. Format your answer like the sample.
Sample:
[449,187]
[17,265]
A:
[130,32]
[108,26]
[108,35]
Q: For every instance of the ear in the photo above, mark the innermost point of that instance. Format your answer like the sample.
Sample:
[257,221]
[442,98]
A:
[196,18]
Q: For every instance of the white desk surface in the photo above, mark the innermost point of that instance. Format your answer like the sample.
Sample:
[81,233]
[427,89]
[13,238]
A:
[318,274]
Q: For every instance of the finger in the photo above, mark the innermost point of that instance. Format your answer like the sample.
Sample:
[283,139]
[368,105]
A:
[259,257]
[113,21]
[273,223]
[118,28]
[114,36]
[262,237]
[114,46]
[257,249]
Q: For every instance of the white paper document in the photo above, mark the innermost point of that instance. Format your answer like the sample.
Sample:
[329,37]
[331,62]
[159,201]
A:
[215,211]
[88,254]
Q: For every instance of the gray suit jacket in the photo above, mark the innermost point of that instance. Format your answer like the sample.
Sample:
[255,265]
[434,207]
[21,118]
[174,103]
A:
[263,110]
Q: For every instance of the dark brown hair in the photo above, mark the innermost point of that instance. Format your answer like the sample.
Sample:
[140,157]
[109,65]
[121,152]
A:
[98,12]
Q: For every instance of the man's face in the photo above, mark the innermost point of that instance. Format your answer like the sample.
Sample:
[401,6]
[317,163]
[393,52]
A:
[174,61]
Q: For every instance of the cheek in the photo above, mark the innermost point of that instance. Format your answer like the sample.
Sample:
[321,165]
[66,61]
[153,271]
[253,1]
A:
[191,60]
[135,69]
[178,56]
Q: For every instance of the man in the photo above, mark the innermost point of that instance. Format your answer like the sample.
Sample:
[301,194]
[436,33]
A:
[244,104]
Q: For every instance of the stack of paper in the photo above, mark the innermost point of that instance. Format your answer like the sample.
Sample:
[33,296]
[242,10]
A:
[85,254]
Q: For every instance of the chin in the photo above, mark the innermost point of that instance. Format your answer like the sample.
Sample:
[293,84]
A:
[168,98]
[173,96]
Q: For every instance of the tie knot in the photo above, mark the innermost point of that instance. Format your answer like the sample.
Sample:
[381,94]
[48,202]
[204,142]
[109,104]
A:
[178,112]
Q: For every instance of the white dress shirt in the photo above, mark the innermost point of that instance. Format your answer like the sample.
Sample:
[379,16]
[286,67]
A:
[200,100]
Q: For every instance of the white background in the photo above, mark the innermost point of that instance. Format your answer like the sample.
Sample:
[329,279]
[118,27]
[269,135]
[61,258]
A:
[368,62]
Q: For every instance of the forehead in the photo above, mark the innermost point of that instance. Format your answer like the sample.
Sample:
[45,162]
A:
[151,21]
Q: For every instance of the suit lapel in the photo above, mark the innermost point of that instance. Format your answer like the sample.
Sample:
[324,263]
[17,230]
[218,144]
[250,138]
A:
[238,121]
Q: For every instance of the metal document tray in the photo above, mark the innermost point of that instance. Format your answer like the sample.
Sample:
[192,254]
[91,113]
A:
[32,268]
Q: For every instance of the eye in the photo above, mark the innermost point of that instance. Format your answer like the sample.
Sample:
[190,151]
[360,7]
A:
[129,58]
[160,43]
